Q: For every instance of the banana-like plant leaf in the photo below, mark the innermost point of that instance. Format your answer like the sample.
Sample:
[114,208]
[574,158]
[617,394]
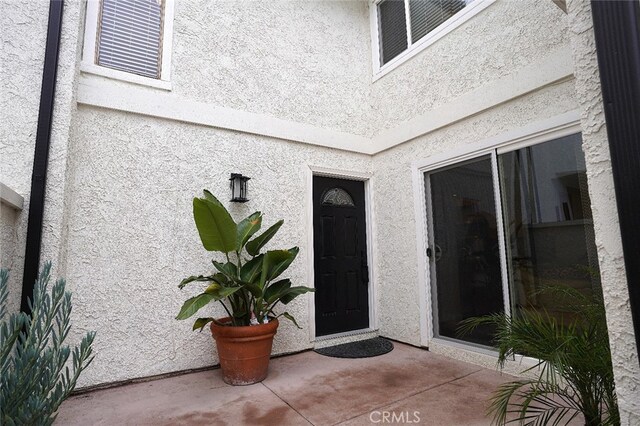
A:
[254,246]
[247,227]
[253,288]
[213,288]
[227,269]
[209,196]
[275,290]
[193,278]
[201,322]
[218,231]
[290,317]
[250,271]
[223,292]
[294,292]
[222,279]
[275,263]
[192,305]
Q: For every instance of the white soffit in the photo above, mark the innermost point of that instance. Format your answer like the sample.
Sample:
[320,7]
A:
[104,93]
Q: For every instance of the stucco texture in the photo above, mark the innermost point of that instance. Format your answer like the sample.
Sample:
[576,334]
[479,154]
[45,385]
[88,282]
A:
[506,36]
[23,27]
[118,221]
[127,236]
[305,61]
[131,235]
[397,266]
[607,229]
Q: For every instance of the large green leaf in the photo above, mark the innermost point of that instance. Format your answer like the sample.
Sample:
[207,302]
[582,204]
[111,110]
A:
[201,322]
[217,229]
[222,279]
[247,227]
[294,292]
[209,196]
[290,317]
[227,269]
[253,288]
[275,263]
[250,271]
[254,246]
[193,278]
[222,292]
[275,290]
[191,306]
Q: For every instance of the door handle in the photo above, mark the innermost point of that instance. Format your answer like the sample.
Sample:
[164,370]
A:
[365,274]
[436,252]
[364,268]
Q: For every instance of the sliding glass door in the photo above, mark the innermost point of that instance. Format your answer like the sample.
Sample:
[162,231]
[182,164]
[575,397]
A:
[549,229]
[465,248]
[532,202]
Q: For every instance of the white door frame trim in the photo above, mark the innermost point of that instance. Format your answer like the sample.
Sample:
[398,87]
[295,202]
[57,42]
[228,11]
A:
[553,128]
[371,261]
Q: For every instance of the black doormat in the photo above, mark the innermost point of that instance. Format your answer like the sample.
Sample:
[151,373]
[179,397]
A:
[360,349]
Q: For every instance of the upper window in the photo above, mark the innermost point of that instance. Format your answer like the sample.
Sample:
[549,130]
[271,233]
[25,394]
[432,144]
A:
[129,36]
[129,40]
[404,27]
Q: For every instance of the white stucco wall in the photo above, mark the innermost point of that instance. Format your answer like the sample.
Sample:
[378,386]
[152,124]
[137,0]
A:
[394,210]
[131,235]
[118,220]
[498,42]
[23,29]
[128,236]
[607,228]
[506,36]
[304,61]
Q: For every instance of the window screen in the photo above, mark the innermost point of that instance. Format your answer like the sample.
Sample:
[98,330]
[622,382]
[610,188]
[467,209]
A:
[129,36]
[393,29]
[426,15]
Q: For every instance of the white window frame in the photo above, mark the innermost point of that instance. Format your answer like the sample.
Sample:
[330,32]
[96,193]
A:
[88,63]
[412,50]
[539,132]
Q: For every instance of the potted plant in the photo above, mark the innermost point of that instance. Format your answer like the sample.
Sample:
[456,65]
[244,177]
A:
[247,284]
[575,373]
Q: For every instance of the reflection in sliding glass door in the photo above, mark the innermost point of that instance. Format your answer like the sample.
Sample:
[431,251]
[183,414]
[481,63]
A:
[486,259]
[549,229]
[464,248]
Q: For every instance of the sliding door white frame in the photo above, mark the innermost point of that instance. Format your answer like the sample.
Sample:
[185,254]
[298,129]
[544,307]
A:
[535,133]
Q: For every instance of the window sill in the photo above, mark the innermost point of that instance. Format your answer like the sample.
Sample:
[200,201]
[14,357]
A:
[10,197]
[454,22]
[124,76]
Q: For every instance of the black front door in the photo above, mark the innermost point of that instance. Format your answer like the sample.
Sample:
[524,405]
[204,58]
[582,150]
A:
[340,256]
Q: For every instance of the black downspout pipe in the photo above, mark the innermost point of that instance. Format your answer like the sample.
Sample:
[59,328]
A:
[41,156]
[617,35]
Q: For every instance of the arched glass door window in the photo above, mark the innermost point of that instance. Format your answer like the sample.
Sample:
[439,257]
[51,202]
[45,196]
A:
[337,197]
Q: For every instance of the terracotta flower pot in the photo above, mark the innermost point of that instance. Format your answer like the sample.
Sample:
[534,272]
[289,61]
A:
[244,351]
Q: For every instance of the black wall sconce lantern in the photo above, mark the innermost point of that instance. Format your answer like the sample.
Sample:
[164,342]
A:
[238,185]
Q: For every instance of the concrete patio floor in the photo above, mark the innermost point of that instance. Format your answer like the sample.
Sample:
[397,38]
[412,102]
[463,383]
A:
[417,386]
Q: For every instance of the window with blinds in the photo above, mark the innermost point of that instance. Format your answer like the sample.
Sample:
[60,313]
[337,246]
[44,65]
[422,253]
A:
[397,33]
[130,36]
[393,29]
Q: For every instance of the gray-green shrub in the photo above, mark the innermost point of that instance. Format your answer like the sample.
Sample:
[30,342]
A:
[34,376]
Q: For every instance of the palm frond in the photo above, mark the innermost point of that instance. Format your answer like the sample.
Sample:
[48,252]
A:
[574,370]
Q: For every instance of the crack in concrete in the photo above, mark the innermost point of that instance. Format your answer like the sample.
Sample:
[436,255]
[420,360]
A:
[289,405]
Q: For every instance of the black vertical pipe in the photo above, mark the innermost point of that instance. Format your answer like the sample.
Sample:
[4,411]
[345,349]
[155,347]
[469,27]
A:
[41,155]
[617,35]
